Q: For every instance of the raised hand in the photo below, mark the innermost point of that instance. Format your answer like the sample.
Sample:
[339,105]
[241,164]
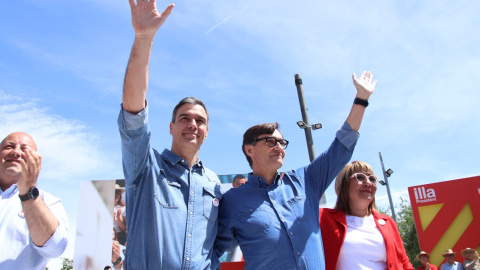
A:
[31,163]
[146,19]
[118,216]
[364,84]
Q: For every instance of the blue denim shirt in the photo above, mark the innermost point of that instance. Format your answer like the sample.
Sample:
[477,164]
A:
[171,210]
[277,225]
[455,266]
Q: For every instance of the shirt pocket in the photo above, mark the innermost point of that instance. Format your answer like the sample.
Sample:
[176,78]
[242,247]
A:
[167,191]
[255,220]
[210,205]
[300,207]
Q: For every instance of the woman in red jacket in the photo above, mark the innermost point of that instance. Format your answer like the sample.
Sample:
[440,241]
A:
[355,235]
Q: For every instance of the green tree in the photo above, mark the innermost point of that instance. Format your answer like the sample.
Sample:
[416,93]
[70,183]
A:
[406,227]
[67,264]
[408,232]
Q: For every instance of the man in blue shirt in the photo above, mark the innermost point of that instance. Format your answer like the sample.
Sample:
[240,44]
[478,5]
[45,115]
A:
[171,198]
[274,216]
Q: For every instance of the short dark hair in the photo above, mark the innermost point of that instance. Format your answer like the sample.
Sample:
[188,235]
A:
[188,100]
[250,136]
[342,185]
[238,176]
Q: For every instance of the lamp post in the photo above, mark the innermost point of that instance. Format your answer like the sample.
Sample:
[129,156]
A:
[387,174]
[305,125]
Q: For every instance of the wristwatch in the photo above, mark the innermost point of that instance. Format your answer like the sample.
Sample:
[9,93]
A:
[32,194]
[119,260]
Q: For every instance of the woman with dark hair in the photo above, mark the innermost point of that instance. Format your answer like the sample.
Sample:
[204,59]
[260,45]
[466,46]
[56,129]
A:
[119,216]
[355,235]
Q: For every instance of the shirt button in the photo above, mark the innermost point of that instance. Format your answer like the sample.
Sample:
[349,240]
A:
[189,235]
[191,213]
[275,202]
[251,210]
[188,259]
[298,253]
[282,217]
[183,160]
[193,192]
[299,197]
[291,233]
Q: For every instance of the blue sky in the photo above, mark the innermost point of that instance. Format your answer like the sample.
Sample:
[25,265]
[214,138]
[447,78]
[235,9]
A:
[62,65]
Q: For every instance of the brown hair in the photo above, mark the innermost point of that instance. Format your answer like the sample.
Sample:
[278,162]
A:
[342,185]
[250,136]
[119,201]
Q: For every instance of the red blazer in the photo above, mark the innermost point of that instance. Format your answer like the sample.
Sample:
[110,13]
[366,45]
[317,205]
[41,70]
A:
[334,226]
[432,267]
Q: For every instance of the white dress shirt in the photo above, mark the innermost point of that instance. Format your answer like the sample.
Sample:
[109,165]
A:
[17,250]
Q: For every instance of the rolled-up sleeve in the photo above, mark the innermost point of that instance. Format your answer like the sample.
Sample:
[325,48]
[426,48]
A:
[130,121]
[347,136]
[56,245]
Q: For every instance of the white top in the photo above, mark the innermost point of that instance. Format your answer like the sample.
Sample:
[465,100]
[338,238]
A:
[124,215]
[17,250]
[364,247]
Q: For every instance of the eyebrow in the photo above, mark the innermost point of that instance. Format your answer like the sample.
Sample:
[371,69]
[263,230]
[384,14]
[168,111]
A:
[13,143]
[189,115]
[278,138]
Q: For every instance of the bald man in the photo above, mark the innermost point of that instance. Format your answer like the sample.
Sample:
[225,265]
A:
[33,223]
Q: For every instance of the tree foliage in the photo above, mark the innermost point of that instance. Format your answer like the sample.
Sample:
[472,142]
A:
[67,264]
[406,227]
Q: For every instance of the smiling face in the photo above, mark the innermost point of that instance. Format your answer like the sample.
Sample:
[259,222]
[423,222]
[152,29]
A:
[361,193]
[450,258]
[264,157]
[469,255]
[11,152]
[118,196]
[189,129]
[423,259]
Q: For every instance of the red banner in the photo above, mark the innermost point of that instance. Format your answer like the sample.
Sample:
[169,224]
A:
[447,215]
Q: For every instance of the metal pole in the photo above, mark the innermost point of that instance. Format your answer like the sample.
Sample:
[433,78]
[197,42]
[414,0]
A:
[308,129]
[388,187]
[303,109]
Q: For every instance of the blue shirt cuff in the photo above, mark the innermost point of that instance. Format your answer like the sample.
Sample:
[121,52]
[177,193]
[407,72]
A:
[135,121]
[347,136]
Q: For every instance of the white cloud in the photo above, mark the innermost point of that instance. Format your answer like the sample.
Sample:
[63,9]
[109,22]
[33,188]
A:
[69,150]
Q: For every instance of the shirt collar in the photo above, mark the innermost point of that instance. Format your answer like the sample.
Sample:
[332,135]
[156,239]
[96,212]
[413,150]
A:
[258,181]
[176,159]
[9,192]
